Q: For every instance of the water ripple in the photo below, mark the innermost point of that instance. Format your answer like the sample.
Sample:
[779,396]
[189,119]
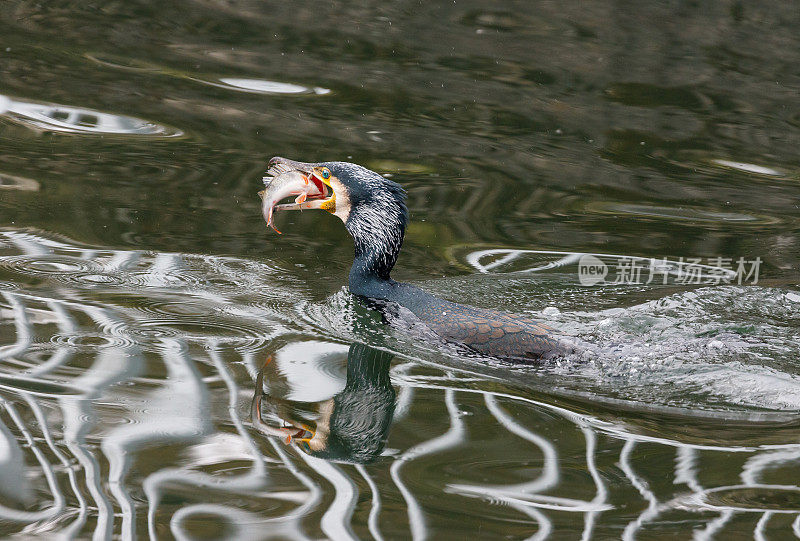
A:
[239,84]
[166,421]
[238,334]
[749,167]
[12,182]
[679,213]
[58,266]
[77,120]
[90,342]
[709,163]
[263,86]
[753,498]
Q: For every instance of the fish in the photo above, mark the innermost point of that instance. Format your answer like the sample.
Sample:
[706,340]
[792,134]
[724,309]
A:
[282,182]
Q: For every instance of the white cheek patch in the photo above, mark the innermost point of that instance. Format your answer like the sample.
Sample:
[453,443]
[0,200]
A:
[376,221]
[342,200]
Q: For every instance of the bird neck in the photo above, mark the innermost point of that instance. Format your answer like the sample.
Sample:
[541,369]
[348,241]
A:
[369,276]
[377,242]
[368,368]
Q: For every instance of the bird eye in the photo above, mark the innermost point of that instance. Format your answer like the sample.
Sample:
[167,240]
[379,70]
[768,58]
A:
[326,173]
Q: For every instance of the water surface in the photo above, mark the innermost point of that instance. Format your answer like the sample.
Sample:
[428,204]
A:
[166,359]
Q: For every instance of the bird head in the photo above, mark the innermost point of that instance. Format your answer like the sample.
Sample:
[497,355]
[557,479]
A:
[371,206]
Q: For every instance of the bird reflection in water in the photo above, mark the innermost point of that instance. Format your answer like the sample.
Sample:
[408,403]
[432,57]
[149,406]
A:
[353,425]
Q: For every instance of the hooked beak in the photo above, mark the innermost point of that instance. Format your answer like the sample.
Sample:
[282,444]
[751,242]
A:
[325,201]
[296,432]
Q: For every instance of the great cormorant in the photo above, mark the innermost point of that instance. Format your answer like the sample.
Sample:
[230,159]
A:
[374,212]
[353,425]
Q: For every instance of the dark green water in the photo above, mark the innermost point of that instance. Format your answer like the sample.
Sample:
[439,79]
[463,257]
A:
[141,293]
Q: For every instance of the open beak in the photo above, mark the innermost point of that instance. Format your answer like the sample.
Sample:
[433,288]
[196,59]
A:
[295,432]
[321,195]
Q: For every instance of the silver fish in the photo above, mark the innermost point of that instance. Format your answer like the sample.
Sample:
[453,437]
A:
[282,182]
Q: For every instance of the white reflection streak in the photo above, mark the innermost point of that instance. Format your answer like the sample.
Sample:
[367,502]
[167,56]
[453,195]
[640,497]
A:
[121,260]
[451,438]
[179,413]
[12,466]
[641,486]
[107,322]
[111,366]
[405,395]
[751,472]
[549,476]
[756,464]
[607,427]
[78,523]
[375,507]
[22,326]
[255,479]
[259,473]
[66,325]
[32,245]
[58,504]
[475,257]
[796,526]
[568,258]
[162,267]
[758,533]
[518,496]
[602,493]
[686,472]
[245,525]
[315,493]
[336,520]
[249,361]
[685,466]
[713,527]
[70,119]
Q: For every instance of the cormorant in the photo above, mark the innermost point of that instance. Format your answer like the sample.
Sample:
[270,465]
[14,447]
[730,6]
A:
[353,425]
[374,212]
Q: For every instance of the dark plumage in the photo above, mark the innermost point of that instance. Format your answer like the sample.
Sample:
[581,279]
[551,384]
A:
[376,217]
[352,426]
[362,412]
